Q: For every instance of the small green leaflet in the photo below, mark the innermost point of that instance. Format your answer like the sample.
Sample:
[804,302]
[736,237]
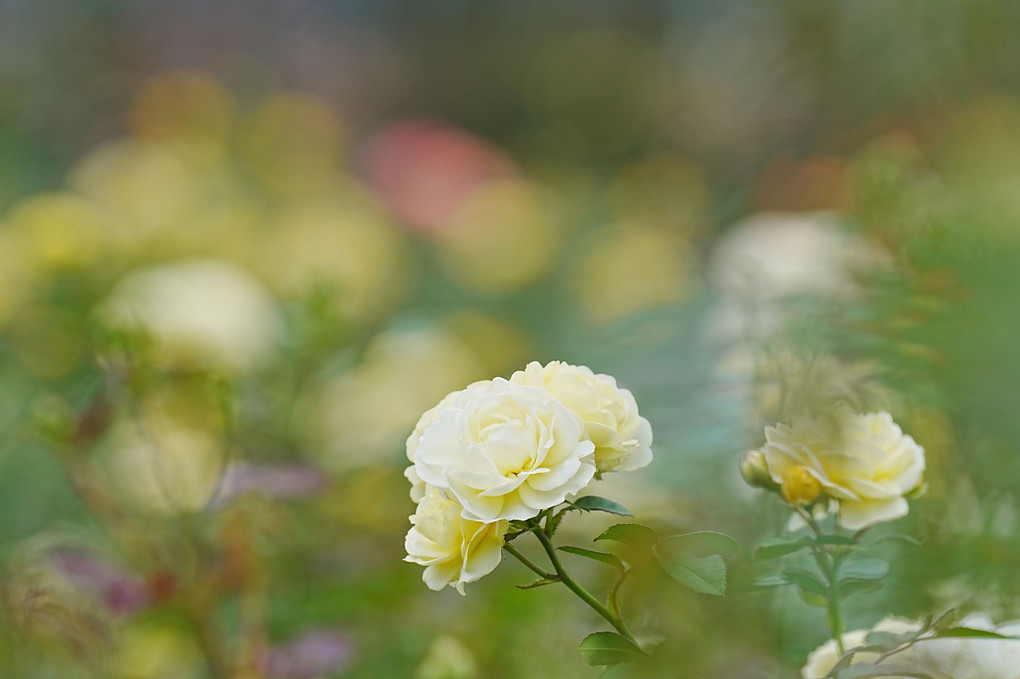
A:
[806,580]
[636,536]
[594,503]
[538,583]
[608,648]
[863,569]
[695,560]
[969,632]
[771,548]
[608,559]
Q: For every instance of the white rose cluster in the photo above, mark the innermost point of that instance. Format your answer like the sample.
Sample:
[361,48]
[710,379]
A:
[504,450]
[864,462]
[938,658]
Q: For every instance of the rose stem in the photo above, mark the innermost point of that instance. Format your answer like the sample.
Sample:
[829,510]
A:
[828,565]
[529,563]
[580,591]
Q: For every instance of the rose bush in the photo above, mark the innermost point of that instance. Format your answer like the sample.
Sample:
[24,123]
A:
[863,461]
[622,438]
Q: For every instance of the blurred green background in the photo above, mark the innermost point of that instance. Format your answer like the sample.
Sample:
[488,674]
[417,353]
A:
[244,245]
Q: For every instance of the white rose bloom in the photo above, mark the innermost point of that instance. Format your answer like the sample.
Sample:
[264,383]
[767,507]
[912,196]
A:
[864,461]
[821,661]
[504,450]
[622,438]
[417,485]
[432,414]
[454,550]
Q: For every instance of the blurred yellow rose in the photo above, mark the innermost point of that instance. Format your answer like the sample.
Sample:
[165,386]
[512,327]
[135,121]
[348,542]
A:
[863,461]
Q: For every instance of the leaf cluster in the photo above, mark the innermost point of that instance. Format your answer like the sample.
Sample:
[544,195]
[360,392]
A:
[695,560]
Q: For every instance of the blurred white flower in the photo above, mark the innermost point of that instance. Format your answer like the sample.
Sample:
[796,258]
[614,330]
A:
[971,657]
[825,657]
[453,549]
[504,450]
[770,258]
[622,438]
[863,461]
[938,658]
[772,255]
[201,311]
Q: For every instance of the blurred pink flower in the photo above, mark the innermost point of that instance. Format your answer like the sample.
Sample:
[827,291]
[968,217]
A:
[120,591]
[424,170]
[280,481]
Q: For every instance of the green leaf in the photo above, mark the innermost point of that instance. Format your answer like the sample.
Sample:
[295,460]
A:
[944,621]
[806,580]
[594,503]
[863,569]
[608,648]
[771,580]
[970,632]
[705,575]
[897,537]
[772,548]
[538,583]
[835,540]
[638,537]
[703,543]
[609,559]
[843,662]
[849,587]
[812,599]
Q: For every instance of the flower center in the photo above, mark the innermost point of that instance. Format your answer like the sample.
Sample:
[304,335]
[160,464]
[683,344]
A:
[800,485]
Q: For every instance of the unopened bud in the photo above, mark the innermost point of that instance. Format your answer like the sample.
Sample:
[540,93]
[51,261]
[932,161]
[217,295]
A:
[800,485]
[755,470]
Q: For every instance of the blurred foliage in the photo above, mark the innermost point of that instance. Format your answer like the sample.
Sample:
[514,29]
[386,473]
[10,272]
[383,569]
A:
[242,248]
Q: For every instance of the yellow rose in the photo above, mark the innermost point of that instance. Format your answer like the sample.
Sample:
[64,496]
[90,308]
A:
[863,461]
[454,550]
